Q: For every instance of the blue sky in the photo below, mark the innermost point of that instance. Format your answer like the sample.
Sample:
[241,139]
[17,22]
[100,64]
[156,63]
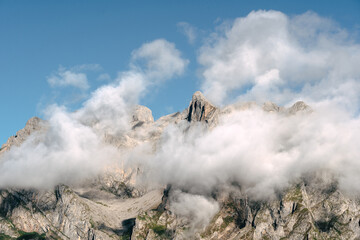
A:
[36,37]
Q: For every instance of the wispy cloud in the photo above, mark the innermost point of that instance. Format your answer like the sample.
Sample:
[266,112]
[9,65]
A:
[188,30]
[86,67]
[64,78]
[72,77]
[104,77]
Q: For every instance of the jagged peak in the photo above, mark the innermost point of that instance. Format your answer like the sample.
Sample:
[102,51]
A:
[199,96]
[299,106]
[34,121]
[142,114]
[200,109]
[32,125]
[270,107]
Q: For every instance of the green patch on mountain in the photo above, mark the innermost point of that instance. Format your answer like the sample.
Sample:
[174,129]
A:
[158,229]
[5,237]
[31,236]
[294,194]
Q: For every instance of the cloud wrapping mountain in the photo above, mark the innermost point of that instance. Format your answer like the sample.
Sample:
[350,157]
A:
[259,153]
[263,56]
[72,148]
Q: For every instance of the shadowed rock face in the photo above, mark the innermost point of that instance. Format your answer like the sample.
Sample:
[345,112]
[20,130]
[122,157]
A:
[200,109]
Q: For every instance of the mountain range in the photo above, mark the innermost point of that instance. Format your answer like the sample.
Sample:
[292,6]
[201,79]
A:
[122,202]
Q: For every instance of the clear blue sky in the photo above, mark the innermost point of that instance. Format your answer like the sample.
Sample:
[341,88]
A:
[36,37]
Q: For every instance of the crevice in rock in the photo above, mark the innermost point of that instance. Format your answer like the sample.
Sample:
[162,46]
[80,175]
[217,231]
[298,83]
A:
[165,197]
[202,113]
[294,207]
[128,226]
[325,226]
[190,113]
[139,124]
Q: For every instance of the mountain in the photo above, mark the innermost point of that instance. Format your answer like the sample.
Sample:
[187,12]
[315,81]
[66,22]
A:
[116,205]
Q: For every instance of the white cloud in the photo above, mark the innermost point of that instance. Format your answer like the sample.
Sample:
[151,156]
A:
[67,152]
[272,57]
[196,208]
[74,76]
[188,30]
[86,67]
[104,77]
[109,107]
[305,56]
[159,60]
[261,152]
[72,149]
[64,78]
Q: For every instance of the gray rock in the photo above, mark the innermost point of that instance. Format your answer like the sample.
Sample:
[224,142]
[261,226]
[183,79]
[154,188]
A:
[201,110]
[34,124]
[299,106]
[103,207]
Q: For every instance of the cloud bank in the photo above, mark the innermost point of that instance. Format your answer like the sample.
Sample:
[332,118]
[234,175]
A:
[268,55]
[72,149]
[258,153]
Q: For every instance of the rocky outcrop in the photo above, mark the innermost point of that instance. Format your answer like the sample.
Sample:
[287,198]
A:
[32,125]
[302,212]
[141,115]
[68,213]
[201,110]
[111,207]
[272,107]
[299,106]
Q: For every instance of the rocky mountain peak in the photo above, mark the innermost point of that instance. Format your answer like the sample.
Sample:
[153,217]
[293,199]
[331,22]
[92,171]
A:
[113,206]
[299,106]
[32,125]
[198,96]
[271,107]
[200,109]
[142,114]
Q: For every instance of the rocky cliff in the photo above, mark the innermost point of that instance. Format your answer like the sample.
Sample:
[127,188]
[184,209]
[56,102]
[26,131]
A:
[113,206]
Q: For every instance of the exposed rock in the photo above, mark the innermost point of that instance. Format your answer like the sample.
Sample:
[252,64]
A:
[142,114]
[111,207]
[32,125]
[201,110]
[272,107]
[299,106]
[300,213]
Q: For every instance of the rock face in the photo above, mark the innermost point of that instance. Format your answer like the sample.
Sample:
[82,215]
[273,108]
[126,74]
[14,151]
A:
[142,115]
[271,107]
[201,110]
[302,212]
[299,106]
[32,125]
[112,206]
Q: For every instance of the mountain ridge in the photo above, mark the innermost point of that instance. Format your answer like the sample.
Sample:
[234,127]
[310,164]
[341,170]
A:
[113,205]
